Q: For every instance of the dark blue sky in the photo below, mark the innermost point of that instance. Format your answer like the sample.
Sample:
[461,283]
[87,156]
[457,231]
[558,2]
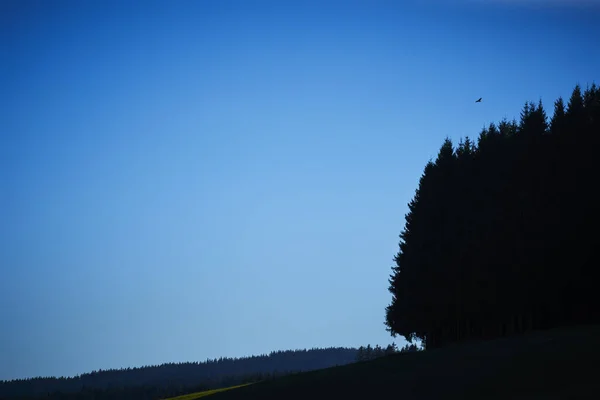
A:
[183,180]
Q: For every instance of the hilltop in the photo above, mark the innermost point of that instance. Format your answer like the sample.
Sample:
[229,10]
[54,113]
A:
[555,364]
[160,381]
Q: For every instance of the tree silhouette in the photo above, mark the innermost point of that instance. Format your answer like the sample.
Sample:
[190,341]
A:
[496,240]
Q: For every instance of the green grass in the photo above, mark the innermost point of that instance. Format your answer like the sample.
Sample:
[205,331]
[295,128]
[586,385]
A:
[198,395]
[556,364]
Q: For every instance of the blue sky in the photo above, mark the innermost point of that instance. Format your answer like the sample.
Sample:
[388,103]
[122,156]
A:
[188,180]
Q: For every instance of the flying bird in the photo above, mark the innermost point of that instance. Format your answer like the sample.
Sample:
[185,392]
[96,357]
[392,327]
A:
[478,100]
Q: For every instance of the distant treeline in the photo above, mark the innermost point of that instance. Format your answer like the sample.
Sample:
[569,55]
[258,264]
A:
[366,353]
[154,382]
[501,235]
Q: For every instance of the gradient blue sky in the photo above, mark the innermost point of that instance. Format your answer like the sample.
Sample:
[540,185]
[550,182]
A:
[183,180]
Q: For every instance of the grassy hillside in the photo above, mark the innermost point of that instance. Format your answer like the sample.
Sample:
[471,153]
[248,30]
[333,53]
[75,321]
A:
[557,364]
[199,395]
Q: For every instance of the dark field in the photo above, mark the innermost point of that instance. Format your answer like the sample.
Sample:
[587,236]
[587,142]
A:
[555,364]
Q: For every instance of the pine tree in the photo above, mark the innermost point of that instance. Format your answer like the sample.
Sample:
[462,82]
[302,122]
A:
[406,313]
[377,351]
[575,114]
[360,354]
[390,349]
[557,123]
[591,102]
[368,352]
[507,129]
[575,106]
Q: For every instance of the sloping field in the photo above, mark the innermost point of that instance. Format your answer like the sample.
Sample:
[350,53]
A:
[556,364]
[199,395]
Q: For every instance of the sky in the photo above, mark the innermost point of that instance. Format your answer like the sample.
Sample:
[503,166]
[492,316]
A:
[183,180]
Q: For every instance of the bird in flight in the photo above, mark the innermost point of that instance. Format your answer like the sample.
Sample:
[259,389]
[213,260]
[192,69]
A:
[478,100]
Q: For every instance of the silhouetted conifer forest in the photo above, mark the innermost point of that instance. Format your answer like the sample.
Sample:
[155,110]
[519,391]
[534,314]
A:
[173,379]
[501,236]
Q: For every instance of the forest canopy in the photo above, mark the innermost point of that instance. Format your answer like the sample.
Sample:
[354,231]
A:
[500,234]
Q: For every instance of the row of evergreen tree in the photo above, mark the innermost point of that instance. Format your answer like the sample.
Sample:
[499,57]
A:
[500,237]
[366,353]
[151,392]
[179,377]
